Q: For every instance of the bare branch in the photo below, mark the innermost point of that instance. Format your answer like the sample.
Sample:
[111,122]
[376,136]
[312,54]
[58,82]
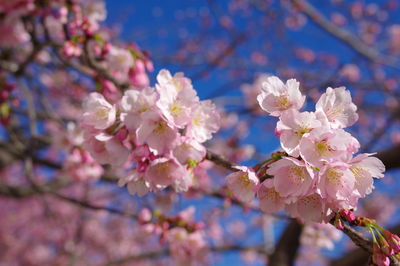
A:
[286,250]
[219,160]
[344,36]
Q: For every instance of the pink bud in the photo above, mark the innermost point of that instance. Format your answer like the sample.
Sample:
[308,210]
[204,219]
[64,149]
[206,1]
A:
[393,240]
[379,258]
[122,134]
[277,133]
[386,249]
[348,214]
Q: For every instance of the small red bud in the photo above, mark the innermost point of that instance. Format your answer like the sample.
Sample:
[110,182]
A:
[348,215]
[393,240]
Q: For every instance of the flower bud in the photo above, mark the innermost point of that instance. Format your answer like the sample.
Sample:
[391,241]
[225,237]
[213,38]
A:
[386,249]
[339,223]
[393,240]
[378,257]
[348,215]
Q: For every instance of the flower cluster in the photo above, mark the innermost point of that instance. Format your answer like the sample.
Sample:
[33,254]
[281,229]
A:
[126,64]
[78,165]
[243,183]
[184,236]
[320,174]
[158,130]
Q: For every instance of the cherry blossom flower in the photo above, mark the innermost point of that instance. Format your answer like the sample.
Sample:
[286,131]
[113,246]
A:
[364,169]
[291,177]
[185,246]
[80,166]
[243,183]
[311,208]
[98,113]
[189,151]
[184,180]
[276,97]
[120,61]
[338,107]
[336,182]
[291,128]
[107,152]
[205,121]
[164,172]
[177,98]
[323,145]
[157,133]
[270,200]
[135,182]
[95,11]
[170,86]
[135,103]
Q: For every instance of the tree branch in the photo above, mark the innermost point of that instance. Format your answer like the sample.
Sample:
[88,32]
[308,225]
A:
[219,160]
[286,250]
[359,256]
[344,36]
[390,157]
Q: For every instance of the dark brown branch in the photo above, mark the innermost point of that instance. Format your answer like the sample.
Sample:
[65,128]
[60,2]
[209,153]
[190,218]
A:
[390,157]
[286,250]
[219,160]
[358,238]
